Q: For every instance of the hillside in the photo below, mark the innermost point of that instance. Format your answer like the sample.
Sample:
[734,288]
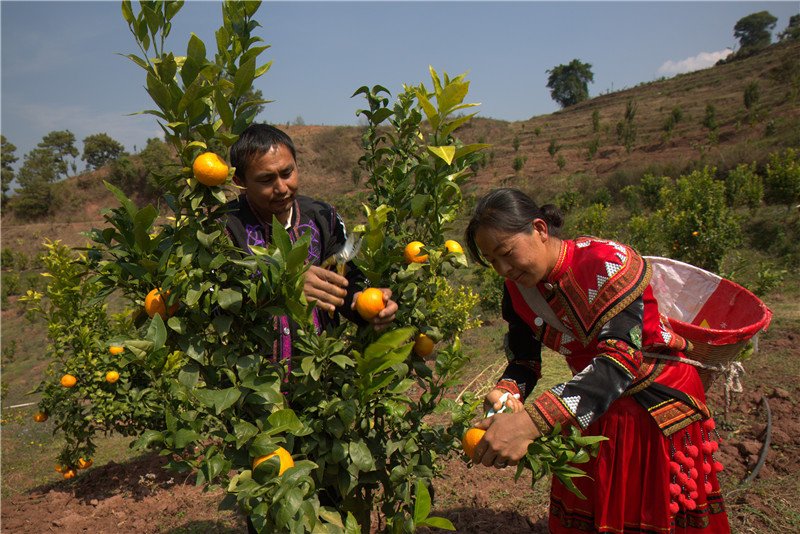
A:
[328,154]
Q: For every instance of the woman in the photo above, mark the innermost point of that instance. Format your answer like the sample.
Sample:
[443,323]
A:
[589,299]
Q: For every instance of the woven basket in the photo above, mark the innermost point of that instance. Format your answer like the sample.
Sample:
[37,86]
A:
[718,316]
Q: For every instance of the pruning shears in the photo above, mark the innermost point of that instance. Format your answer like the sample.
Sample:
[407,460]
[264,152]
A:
[503,407]
[348,252]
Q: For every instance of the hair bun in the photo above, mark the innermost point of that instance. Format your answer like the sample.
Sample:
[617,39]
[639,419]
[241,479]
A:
[552,216]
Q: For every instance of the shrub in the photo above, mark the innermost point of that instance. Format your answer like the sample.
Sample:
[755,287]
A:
[631,199]
[694,223]
[736,184]
[518,163]
[515,143]
[592,221]
[594,144]
[782,181]
[553,147]
[650,188]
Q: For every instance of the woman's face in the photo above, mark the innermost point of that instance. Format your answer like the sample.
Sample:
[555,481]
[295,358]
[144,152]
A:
[524,258]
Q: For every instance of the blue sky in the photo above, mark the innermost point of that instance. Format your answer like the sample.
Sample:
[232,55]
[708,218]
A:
[60,70]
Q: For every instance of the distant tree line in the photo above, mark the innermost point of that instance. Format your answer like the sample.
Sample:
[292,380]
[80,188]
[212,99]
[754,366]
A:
[54,159]
[568,83]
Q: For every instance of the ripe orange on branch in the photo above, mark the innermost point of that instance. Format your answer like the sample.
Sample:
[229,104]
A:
[370,303]
[283,455]
[40,417]
[84,464]
[423,345]
[156,303]
[209,169]
[453,246]
[116,350]
[411,253]
[471,439]
[112,376]
[68,381]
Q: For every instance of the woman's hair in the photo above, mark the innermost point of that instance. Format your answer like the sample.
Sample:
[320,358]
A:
[511,211]
[255,140]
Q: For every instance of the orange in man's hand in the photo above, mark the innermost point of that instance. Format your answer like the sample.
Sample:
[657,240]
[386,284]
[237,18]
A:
[209,169]
[411,253]
[471,439]
[370,303]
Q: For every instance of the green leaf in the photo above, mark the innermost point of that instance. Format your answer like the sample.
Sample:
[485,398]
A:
[429,109]
[446,153]
[189,375]
[230,300]
[456,123]
[284,421]
[351,525]
[149,437]
[361,456]
[244,77]
[196,49]
[157,332]
[422,505]
[129,206]
[390,340]
[183,437]
[219,400]
[244,432]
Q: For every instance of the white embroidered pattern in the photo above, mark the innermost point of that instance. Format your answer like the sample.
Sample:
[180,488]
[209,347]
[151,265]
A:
[612,268]
[586,419]
[572,403]
[559,389]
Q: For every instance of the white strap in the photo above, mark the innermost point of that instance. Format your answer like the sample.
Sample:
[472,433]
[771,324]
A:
[539,306]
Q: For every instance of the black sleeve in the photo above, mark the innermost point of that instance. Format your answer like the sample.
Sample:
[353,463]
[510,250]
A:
[523,350]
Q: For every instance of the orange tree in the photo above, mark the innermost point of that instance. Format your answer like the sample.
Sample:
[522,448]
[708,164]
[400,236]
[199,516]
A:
[356,410]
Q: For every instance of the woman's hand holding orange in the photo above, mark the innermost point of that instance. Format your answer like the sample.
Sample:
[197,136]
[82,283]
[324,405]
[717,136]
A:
[506,440]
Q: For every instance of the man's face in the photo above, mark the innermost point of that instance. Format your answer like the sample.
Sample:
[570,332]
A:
[271,183]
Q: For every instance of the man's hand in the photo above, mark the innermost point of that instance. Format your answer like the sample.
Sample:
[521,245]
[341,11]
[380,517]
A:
[326,287]
[386,315]
[506,440]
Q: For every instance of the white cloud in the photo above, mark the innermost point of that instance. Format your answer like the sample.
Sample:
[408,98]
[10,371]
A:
[700,61]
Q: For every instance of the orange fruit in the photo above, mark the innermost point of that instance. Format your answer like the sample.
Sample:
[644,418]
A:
[471,439]
[84,464]
[68,381]
[156,303]
[453,246]
[284,457]
[112,376]
[40,417]
[370,302]
[116,350]
[411,253]
[209,169]
[69,473]
[423,345]
[59,468]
